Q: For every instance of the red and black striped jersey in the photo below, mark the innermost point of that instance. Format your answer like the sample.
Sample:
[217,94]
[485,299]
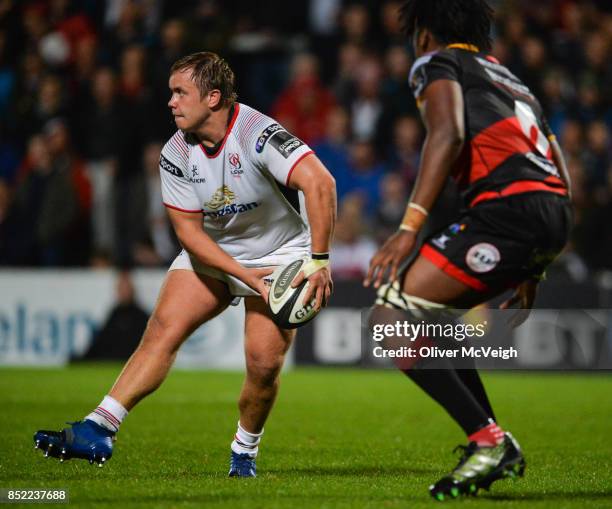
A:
[507,149]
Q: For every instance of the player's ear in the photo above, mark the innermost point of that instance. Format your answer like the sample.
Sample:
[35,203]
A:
[214,99]
[423,39]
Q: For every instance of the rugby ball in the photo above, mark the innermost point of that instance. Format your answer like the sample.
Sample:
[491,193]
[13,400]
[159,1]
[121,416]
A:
[285,302]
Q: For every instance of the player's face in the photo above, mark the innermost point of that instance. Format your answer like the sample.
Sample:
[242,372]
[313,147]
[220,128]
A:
[188,108]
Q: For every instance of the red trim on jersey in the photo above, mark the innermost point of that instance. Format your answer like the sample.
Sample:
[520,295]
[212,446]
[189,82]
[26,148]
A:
[522,186]
[491,58]
[295,164]
[493,145]
[443,263]
[501,140]
[227,133]
[180,209]
[555,181]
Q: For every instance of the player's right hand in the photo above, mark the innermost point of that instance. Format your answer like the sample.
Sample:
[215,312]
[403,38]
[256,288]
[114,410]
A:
[321,285]
[253,278]
[389,257]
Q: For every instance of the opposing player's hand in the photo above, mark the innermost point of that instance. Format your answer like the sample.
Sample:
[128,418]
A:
[320,287]
[253,278]
[389,257]
[525,296]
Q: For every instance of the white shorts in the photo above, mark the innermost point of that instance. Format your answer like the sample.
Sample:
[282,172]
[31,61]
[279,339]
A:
[237,288]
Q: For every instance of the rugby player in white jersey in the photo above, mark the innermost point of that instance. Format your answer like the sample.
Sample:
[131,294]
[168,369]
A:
[230,179]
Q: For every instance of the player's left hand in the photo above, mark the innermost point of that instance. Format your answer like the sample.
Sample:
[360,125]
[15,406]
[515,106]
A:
[254,278]
[389,257]
[524,295]
[320,287]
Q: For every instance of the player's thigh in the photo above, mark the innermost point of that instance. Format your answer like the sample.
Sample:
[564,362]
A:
[426,281]
[469,261]
[265,342]
[186,300]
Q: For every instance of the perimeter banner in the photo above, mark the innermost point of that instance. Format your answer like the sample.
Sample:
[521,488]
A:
[48,318]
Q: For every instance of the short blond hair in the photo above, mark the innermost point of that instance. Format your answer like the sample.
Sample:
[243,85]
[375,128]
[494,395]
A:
[209,72]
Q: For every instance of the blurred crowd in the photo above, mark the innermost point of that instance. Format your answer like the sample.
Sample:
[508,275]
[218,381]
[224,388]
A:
[83,114]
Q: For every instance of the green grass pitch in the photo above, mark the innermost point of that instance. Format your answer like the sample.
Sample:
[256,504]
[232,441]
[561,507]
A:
[337,438]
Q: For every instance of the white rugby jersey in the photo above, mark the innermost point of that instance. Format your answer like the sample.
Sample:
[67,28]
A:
[240,188]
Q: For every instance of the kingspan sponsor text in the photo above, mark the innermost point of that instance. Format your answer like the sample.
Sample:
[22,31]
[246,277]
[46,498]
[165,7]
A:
[232,209]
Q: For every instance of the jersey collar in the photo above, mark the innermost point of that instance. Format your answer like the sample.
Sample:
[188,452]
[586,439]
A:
[467,47]
[211,154]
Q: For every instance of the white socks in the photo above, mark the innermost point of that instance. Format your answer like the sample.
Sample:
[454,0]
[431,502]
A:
[245,442]
[109,414]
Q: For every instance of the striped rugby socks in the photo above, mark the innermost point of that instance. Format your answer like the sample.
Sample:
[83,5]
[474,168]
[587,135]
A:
[109,414]
[246,442]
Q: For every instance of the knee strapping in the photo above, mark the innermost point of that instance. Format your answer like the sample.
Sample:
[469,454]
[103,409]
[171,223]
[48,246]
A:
[393,305]
[391,296]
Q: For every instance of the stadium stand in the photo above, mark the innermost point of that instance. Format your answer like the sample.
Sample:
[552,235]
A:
[83,93]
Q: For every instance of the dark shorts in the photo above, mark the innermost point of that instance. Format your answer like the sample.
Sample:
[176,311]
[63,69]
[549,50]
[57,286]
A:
[500,243]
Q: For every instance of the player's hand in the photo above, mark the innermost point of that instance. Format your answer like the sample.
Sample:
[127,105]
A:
[524,295]
[253,278]
[389,257]
[320,287]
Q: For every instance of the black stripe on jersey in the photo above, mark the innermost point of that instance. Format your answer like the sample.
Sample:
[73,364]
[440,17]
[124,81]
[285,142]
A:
[501,75]
[169,167]
[291,195]
[285,143]
[516,167]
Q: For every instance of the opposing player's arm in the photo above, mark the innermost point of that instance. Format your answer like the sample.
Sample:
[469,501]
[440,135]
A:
[441,107]
[191,235]
[319,187]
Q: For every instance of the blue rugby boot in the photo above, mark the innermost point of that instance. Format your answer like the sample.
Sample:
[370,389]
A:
[83,439]
[242,465]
